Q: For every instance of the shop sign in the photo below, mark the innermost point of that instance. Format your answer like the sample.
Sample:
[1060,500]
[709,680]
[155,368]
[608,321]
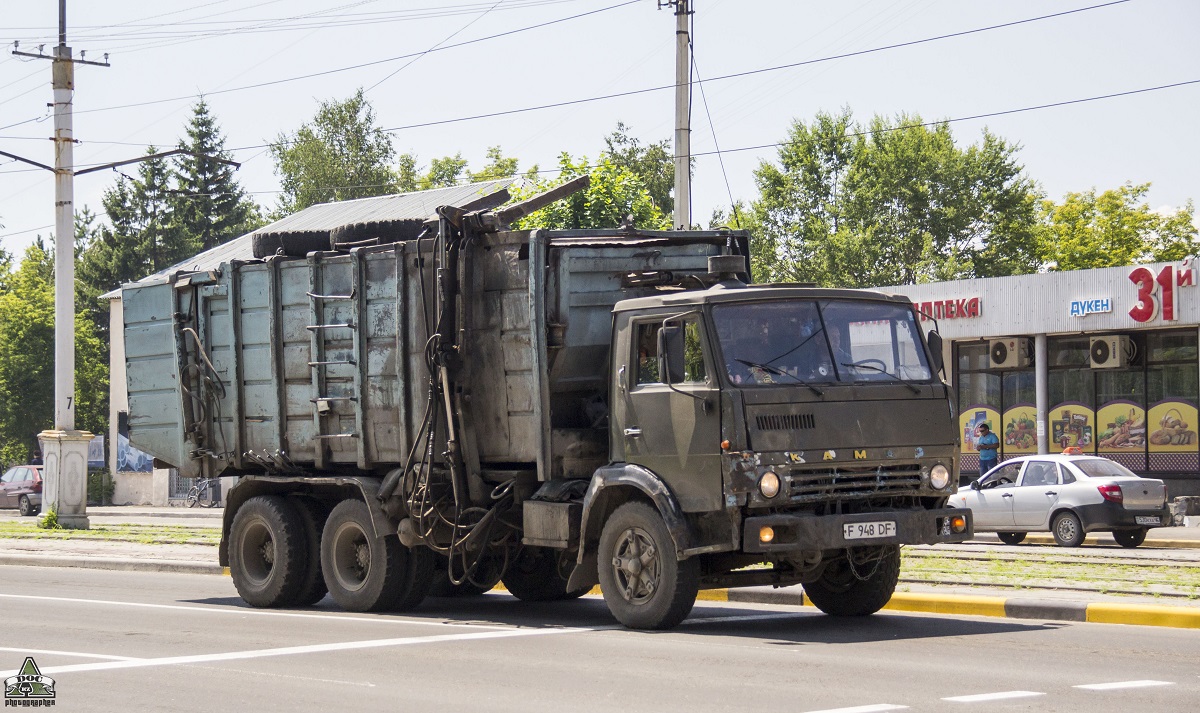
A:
[1082,308]
[1157,293]
[966,308]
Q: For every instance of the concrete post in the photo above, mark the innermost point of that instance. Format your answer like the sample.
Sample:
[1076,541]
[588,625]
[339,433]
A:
[1041,387]
[64,476]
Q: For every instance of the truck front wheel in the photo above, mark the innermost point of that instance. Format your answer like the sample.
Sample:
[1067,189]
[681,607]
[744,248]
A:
[645,584]
[268,551]
[363,572]
[859,583]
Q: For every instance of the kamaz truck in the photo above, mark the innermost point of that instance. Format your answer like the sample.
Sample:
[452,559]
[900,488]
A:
[464,404]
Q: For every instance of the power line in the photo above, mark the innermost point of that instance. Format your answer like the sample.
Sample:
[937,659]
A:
[446,39]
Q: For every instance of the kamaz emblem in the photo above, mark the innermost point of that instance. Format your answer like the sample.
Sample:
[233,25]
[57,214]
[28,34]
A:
[795,457]
[829,455]
[860,455]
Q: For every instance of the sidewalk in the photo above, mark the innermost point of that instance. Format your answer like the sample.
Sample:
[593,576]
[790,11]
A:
[1146,610]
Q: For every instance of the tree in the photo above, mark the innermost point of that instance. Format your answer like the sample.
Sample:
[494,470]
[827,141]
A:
[1113,228]
[210,206]
[653,163]
[895,203]
[498,166]
[27,360]
[342,154]
[615,192]
[450,170]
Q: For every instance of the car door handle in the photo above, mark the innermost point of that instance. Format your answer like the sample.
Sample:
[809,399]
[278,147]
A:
[633,432]
[1006,495]
[1051,492]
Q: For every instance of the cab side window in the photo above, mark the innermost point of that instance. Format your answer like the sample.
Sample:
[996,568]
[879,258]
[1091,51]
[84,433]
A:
[693,353]
[646,341]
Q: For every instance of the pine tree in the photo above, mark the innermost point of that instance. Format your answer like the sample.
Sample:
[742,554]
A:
[210,206]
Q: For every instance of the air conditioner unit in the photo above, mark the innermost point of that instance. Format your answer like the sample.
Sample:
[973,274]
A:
[1112,351]
[1010,353]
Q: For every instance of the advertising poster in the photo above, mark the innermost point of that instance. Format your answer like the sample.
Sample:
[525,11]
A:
[970,419]
[1019,435]
[1172,427]
[1122,427]
[1072,424]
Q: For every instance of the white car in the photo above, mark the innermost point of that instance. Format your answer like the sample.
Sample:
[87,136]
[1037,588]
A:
[1067,495]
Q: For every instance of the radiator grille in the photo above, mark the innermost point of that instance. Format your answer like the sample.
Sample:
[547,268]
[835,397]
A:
[786,422]
[849,483]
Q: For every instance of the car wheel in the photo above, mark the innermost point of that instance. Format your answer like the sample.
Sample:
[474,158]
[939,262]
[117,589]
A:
[645,584]
[1068,531]
[1130,538]
[1011,538]
[25,507]
[268,551]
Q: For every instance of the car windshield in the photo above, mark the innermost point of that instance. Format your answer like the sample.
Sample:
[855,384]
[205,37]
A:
[1102,468]
[807,341]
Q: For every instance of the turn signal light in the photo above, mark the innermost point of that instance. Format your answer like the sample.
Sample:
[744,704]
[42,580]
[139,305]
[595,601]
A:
[766,533]
[724,445]
[958,524]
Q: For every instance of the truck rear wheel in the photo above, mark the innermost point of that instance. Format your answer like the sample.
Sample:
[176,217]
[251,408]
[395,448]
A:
[268,551]
[363,572]
[534,576]
[859,587]
[645,584]
[420,567]
[312,515]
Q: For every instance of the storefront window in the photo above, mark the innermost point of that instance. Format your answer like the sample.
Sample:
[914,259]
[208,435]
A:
[1172,346]
[1018,433]
[1068,351]
[1172,395]
[972,357]
[1121,416]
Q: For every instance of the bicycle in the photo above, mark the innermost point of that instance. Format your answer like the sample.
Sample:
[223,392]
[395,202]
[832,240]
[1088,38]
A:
[204,493]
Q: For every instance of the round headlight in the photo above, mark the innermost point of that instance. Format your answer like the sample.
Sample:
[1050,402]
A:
[939,477]
[768,485]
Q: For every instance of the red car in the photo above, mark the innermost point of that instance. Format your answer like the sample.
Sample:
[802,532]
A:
[21,488]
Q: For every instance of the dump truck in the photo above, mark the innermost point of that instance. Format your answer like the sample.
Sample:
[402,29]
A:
[457,404]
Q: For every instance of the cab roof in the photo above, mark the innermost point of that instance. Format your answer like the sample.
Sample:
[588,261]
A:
[739,292]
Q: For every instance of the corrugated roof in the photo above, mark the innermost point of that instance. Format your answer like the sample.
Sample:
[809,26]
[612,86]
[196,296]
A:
[327,216]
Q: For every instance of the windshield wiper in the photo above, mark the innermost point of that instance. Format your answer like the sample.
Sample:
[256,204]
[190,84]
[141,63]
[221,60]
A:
[779,372]
[865,364]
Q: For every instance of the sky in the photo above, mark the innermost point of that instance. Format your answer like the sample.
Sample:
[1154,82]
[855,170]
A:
[165,54]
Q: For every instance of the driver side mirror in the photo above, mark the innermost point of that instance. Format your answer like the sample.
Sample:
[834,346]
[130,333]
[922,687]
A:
[975,485]
[670,347]
[935,349]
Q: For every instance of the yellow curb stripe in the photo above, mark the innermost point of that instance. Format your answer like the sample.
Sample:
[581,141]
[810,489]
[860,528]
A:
[1144,615]
[712,595]
[225,572]
[967,605]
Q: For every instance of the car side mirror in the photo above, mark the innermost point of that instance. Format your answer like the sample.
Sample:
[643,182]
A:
[975,485]
[670,346]
[935,349]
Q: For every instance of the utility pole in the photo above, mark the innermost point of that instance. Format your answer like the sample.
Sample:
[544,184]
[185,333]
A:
[64,449]
[683,113]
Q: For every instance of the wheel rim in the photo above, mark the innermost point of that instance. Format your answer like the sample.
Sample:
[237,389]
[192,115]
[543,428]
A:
[1066,529]
[637,566]
[24,505]
[258,552]
[351,556]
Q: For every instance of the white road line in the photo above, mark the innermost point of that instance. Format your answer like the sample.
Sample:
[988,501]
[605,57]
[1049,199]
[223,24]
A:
[69,653]
[875,708]
[984,697]
[247,611]
[296,650]
[1123,684]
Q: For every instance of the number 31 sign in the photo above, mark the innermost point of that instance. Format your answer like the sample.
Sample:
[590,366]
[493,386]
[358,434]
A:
[1158,291]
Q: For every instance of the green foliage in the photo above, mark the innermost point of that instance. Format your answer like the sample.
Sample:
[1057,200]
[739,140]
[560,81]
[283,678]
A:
[100,487]
[498,166]
[27,361]
[654,163]
[1113,228]
[450,170]
[342,154]
[892,203]
[615,192]
[49,519]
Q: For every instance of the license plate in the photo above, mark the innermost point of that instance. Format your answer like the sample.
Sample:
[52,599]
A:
[1147,520]
[867,530]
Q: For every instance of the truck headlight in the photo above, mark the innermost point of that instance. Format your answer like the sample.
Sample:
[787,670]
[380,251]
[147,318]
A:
[939,477]
[768,484]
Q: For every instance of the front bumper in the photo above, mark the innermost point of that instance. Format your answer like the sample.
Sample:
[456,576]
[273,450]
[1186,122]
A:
[826,532]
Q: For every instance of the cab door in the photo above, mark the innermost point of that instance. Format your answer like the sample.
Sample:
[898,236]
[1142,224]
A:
[672,427]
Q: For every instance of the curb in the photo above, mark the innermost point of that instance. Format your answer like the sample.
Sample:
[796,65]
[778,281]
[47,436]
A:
[955,604]
[1039,539]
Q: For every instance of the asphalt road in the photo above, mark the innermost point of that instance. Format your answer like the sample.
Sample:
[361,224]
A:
[121,641]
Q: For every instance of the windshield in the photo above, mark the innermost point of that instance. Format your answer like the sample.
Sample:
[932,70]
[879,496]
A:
[819,341]
[1103,468]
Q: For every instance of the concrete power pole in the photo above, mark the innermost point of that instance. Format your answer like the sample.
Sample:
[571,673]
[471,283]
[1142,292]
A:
[683,115]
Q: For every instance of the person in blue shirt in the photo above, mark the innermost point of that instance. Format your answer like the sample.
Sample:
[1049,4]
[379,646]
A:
[989,447]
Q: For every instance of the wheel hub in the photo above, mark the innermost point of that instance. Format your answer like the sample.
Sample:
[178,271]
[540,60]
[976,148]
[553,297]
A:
[636,566]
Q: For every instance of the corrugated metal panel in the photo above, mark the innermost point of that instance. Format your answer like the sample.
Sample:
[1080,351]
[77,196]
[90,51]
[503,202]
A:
[1041,303]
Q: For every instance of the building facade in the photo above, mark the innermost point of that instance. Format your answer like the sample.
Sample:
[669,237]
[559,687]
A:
[1105,360]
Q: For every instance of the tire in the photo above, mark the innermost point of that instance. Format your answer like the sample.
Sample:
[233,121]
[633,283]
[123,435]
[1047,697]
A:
[267,551]
[382,232]
[1130,538]
[26,507]
[363,573]
[841,592]
[1011,538]
[534,576]
[312,516]
[419,571]
[292,244]
[1067,530]
[645,584]
[193,497]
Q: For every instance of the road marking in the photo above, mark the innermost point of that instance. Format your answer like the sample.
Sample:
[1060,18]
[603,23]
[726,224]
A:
[1123,684]
[69,653]
[744,617]
[983,697]
[874,708]
[297,650]
[332,616]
